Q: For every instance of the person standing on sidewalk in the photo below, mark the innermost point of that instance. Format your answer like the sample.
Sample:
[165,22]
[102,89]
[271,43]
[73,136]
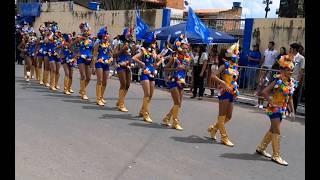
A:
[199,67]
[269,58]
[279,96]
[298,71]
[254,58]
[228,93]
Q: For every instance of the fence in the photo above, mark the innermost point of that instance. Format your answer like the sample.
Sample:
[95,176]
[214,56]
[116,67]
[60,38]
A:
[248,81]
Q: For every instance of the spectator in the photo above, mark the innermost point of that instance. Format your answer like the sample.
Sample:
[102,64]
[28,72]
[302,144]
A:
[199,66]
[213,65]
[283,51]
[263,83]
[298,71]
[254,58]
[269,56]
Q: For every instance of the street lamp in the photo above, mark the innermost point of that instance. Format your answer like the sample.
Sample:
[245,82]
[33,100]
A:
[267,9]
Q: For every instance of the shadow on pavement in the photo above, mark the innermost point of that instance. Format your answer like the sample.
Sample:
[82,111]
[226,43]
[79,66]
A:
[194,139]
[80,101]
[148,125]
[96,107]
[244,156]
[119,116]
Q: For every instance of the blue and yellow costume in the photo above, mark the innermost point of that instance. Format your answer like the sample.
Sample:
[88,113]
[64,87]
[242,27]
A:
[104,59]
[85,49]
[54,41]
[178,77]
[31,46]
[42,47]
[281,92]
[149,71]
[230,76]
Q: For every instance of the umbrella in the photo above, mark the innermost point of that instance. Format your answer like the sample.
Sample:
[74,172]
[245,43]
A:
[172,32]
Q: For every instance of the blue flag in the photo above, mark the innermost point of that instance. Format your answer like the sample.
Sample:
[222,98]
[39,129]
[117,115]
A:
[141,28]
[194,25]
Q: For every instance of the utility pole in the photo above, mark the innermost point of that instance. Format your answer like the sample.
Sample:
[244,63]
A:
[267,3]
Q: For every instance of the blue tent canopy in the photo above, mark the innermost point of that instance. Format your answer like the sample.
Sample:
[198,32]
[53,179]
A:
[174,31]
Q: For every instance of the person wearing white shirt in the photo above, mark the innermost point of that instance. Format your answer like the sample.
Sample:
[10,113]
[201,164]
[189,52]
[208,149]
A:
[270,56]
[299,64]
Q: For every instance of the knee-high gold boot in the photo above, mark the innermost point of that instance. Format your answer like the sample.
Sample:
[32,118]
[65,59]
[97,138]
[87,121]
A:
[52,82]
[65,85]
[84,90]
[167,118]
[224,137]
[82,84]
[69,85]
[46,78]
[40,75]
[57,76]
[261,149]
[103,89]
[143,107]
[145,110]
[36,70]
[121,107]
[176,123]
[119,98]
[212,129]
[276,150]
[32,72]
[98,94]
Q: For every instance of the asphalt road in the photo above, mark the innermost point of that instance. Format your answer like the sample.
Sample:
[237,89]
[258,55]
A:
[61,137]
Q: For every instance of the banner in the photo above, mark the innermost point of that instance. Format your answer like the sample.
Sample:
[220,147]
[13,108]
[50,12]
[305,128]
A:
[141,27]
[194,25]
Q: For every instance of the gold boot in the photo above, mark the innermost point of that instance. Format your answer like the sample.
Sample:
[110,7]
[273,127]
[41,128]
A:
[46,78]
[40,77]
[118,102]
[261,149]
[146,116]
[166,120]
[69,85]
[52,82]
[85,84]
[121,106]
[143,107]
[212,129]
[57,75]
[82,85]
[65,84]
[276,150]
[103,88]
[98,94]
[175,112]
[224,137]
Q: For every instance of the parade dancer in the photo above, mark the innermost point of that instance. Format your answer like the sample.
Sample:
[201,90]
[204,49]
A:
[85,58]
[102,58]
[228,92]
[279,96]
[55,39]
[67,62]
[41,54]
[30,48]
[123,54]
[180,61]
[147,60]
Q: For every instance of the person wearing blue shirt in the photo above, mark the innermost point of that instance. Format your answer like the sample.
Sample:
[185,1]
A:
[254,58]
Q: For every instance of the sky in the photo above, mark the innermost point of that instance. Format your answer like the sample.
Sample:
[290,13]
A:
[250,8]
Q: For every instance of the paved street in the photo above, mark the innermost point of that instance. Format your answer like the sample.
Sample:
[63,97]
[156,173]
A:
[61,137]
